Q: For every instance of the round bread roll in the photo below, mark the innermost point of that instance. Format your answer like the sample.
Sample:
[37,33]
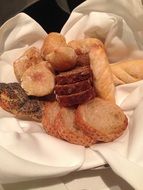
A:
[30,57]
[52,42]
[62,59]
[38,80]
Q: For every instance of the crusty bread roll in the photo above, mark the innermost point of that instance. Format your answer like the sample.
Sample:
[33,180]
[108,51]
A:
[38,80]
[101,119]
[82,48]
[62,59]
[102,75]
[30,57]
[65,124]
[127,71]
[52,42]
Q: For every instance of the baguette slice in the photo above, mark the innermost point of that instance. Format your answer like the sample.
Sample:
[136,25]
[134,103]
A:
[65,123]
[75,75]
[50,111]
[76,99]
[101,120]
[77,87]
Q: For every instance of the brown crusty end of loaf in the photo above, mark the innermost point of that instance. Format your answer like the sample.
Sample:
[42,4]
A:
[65,123]
[50,111]
[73,88]
[101,119]
[75,75]
[76,99]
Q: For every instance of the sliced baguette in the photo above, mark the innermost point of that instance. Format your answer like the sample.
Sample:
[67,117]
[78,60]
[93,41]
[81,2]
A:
[50,111]
[65,123]
[101,119]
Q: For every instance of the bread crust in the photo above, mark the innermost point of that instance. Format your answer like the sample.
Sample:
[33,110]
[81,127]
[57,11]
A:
[76,75]
[77,87]
[128,71]
[109,115]
[50,112]
[76,99]
[102,75]
[68,131]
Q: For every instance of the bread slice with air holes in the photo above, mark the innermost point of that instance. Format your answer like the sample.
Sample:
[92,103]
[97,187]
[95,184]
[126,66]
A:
[67,129]
[50,111]
[101,120]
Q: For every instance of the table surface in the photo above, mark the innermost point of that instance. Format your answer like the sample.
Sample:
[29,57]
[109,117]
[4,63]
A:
[101,179]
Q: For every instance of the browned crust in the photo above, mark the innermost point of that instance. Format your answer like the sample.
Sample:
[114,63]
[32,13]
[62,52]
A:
[73,76]
[77,87]
[94,133]
[76,99]
[75,136]
[47,125]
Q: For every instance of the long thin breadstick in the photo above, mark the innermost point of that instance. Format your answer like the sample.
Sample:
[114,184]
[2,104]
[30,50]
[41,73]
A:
[127,71]
[102,75]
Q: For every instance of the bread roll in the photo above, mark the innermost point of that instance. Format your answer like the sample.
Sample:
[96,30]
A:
[82,48]
[52,42]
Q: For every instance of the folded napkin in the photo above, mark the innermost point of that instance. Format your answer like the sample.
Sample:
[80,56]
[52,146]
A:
[26,152]
[119,25]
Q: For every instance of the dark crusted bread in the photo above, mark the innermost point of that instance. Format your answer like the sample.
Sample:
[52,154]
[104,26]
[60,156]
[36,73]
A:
[73,76]
[76,99]
[77,87]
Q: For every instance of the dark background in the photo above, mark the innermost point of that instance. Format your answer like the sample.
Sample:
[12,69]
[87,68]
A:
[49,15]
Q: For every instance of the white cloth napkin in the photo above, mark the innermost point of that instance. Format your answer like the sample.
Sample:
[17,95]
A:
[119,25]
[26,152]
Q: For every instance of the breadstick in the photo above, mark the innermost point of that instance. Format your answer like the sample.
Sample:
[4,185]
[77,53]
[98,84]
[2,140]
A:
[102,75]
[127,71]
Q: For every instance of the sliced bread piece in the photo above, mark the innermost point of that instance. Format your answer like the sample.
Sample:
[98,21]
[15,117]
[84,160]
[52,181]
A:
[77,87]
[101,119]
[76,99]
[67,129]
[75,75]
[50,111]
